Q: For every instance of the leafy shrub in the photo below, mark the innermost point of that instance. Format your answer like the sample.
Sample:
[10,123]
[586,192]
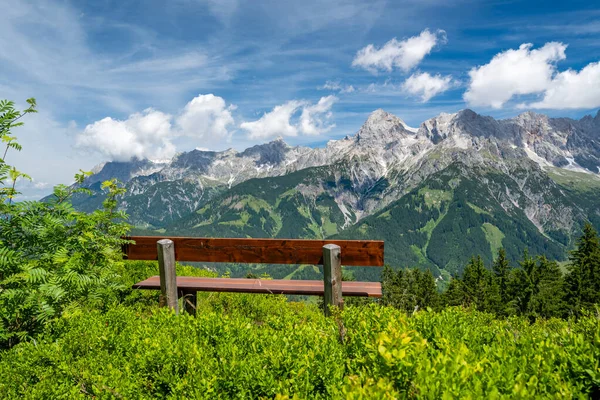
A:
[51,256]
[261,347]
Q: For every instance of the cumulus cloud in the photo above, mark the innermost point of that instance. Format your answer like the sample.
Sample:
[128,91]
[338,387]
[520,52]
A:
[514,72]
[314,117]
[427,86]
[572,89]
[279,121]
[276,122]
[337,86]
[206,115]
[145,134]
[405,54]
[149,134]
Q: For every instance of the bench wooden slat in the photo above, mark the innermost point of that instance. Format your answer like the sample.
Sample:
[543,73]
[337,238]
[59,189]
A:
[265,251]
[360,289]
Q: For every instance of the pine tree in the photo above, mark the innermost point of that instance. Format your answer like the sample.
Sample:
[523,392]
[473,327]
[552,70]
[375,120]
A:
[520,285]
[474,283]
[501,269]
[409,289]
[548,294]
[583,280]
[428,295]
[492,297]
[454,294]
[390,285]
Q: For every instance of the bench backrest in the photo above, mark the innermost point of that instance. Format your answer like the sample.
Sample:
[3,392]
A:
[258,251]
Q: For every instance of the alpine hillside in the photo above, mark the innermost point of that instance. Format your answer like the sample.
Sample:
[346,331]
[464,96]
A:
[458,185]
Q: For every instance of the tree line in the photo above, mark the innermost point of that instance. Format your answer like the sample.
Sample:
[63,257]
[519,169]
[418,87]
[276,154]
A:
[535,288]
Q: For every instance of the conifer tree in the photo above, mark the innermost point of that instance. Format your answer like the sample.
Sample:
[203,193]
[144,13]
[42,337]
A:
[390,285]
[428,295]
[583,280]
[520,285]
[548,294]
[501,269]
[454,294]
[474,283]
[492,297]
[409,289]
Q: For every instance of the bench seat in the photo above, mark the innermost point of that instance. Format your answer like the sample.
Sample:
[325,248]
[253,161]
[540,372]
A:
[267,286]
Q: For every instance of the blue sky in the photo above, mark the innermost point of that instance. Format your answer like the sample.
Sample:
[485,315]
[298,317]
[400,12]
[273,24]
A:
[116,79]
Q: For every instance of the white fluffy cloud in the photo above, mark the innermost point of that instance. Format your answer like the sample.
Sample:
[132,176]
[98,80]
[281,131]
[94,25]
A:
[426,86]
[145,134]
[405,54]
[572,89]
[514,72]
[206,115]
[278,122]
[149,134]
[314,117]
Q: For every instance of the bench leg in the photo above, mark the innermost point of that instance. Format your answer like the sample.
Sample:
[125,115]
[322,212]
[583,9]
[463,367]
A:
[168,277]
[332,275]
[190,301]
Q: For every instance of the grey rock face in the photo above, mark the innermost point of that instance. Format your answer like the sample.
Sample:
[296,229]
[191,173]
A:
[384,160]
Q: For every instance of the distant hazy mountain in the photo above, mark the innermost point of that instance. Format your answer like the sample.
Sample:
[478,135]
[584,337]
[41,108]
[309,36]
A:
[459,184]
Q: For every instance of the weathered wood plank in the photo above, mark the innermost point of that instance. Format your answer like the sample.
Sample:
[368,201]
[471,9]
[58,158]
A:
[275,286]
[332,277]
[265,251]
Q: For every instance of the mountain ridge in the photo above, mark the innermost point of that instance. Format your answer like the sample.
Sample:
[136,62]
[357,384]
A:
[385,128]
[528,165]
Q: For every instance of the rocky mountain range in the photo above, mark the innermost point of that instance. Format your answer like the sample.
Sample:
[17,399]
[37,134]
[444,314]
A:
[459,184]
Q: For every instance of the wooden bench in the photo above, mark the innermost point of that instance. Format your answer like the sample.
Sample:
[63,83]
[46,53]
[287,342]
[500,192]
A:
[329,253]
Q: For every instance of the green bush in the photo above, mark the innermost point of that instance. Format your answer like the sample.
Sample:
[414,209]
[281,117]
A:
[52,256]
[255,346]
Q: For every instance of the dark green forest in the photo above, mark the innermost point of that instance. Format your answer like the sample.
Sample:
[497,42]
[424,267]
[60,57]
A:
[535,288]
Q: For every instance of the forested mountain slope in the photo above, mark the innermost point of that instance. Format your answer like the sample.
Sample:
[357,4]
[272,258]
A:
[459,184]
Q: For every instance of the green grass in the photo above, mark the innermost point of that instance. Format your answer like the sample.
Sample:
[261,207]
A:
[417,252]
[433,198]
[478,210]
[578,181]
[244,217]
[494,236]
[385,215]
[251,202]
[430,226]
[329,228]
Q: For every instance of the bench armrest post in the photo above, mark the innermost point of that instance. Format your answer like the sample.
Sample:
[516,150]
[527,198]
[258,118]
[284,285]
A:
[332,275]
[168,277]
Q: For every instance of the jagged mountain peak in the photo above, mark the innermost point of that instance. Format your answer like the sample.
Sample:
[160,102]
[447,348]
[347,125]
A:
[467,113]
[125,170]
[382,126]
[479,125]
[591,121]
[270,153]
[379,114]
[531,118]
[385,143]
